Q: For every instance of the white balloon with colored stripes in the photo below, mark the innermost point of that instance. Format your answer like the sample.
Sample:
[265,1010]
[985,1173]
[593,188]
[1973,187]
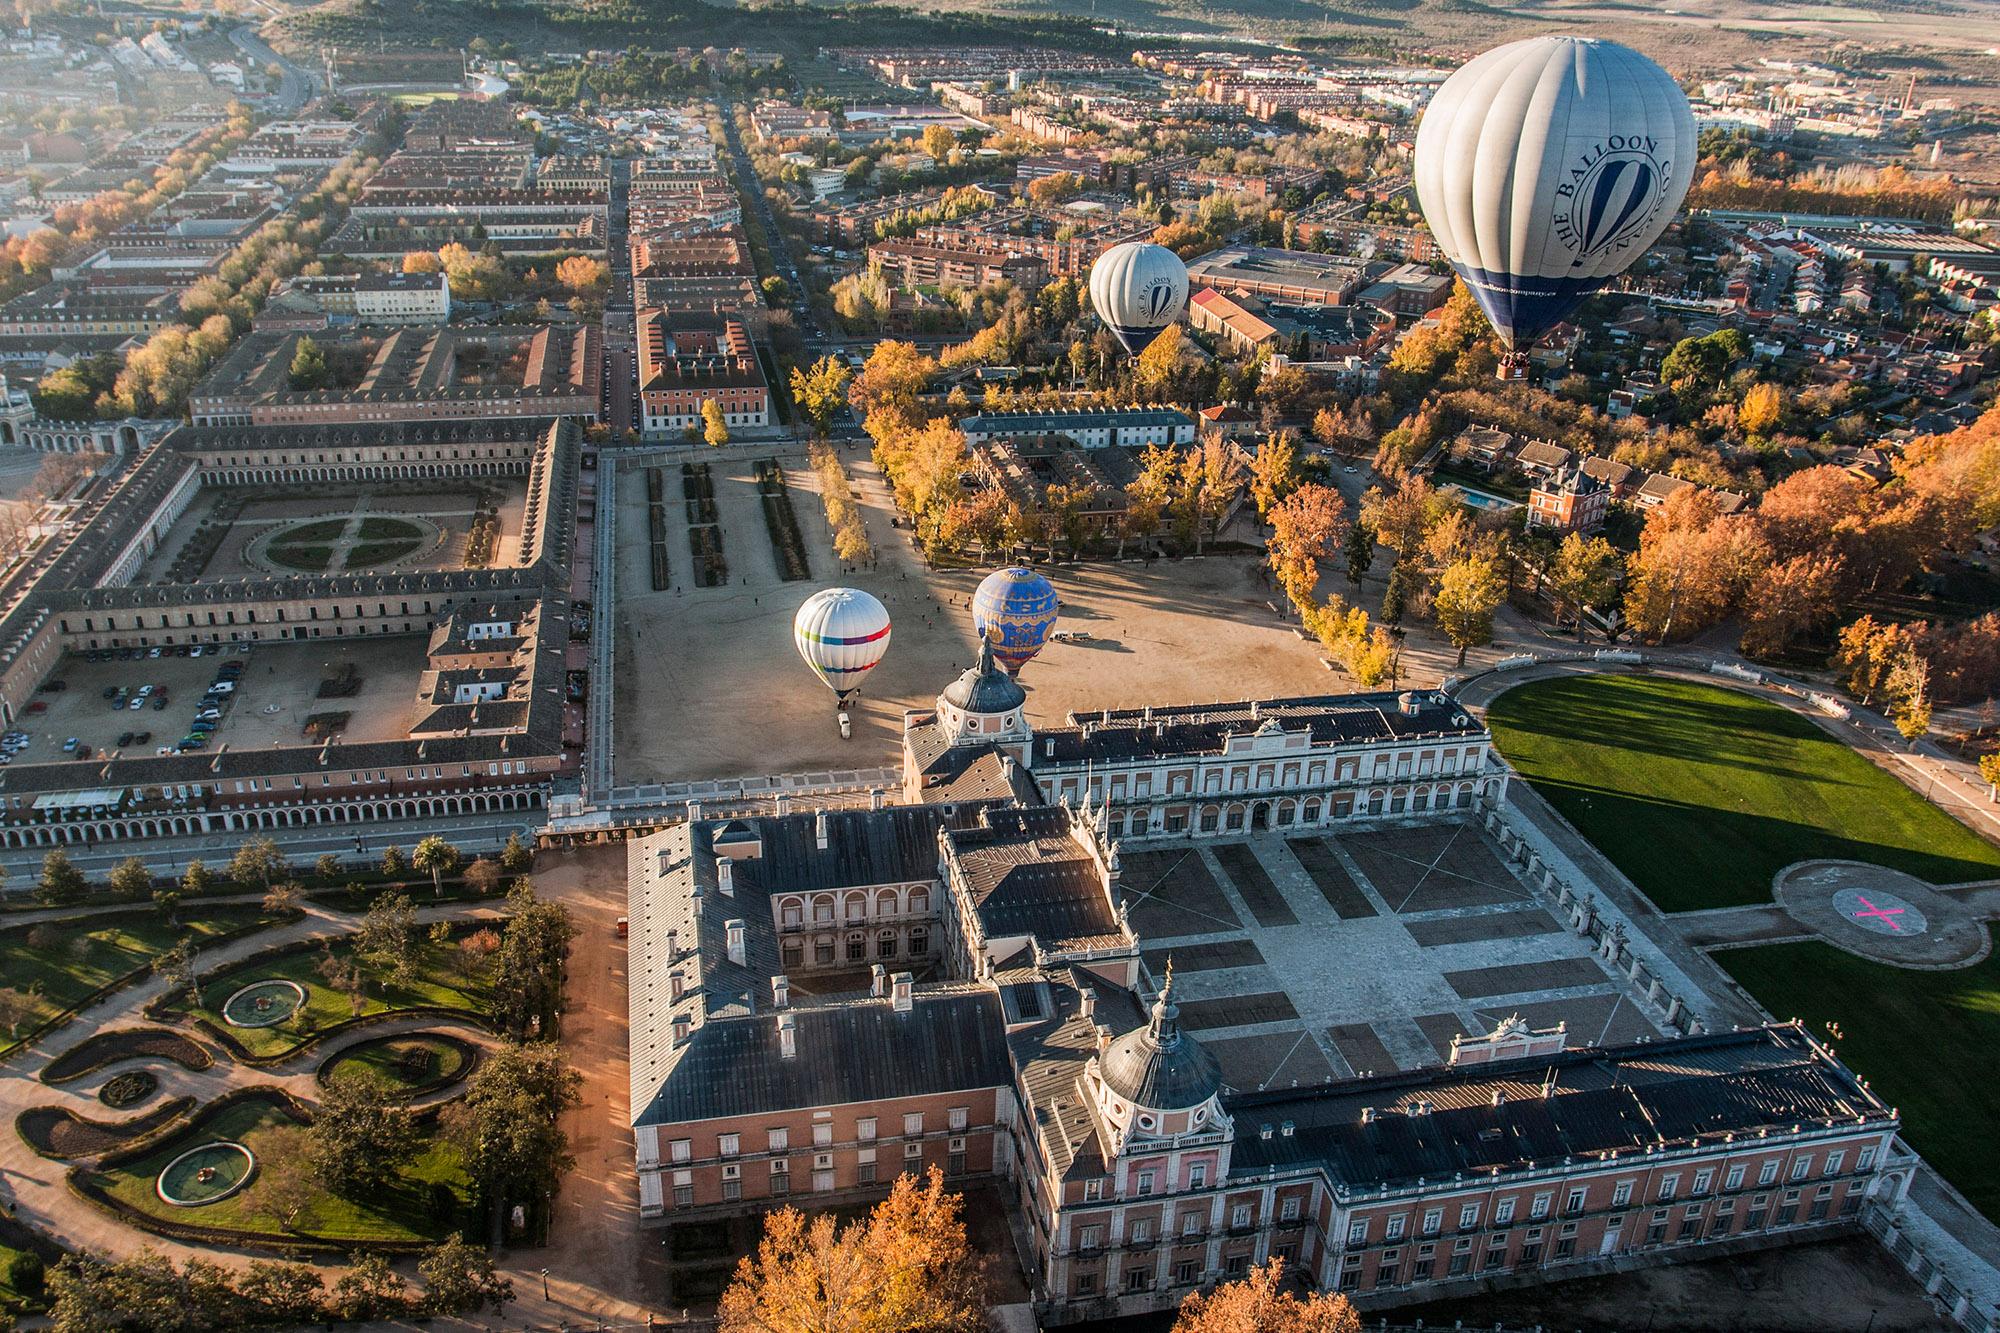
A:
[841,633]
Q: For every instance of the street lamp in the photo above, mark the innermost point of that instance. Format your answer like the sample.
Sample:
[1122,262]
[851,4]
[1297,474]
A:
[545,1284]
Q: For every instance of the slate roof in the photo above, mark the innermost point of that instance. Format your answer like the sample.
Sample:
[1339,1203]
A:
[1577,1104]
[1130,734]
[1049,1060]
[1026,875]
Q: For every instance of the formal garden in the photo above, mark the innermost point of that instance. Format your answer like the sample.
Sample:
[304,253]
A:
[339,1090]
[1701,794]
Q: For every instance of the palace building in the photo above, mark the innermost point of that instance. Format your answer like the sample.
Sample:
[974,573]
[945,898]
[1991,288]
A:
[821,1000]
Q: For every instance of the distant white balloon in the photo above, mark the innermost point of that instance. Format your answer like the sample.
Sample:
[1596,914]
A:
[1138,288]
[841,633]
[1545,167]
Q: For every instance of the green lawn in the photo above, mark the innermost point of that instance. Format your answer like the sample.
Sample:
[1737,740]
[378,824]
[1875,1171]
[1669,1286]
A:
[68,961]
[404,1211]
[403,1063]
[1701,794]
[1919,1038]
[437,983]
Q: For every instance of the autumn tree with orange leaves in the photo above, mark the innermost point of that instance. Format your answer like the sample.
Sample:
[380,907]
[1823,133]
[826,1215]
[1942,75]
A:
[1259,1304]
[907,1267]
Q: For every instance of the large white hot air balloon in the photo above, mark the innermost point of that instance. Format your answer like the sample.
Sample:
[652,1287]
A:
[1138,288]
[841,633]
[1546,166]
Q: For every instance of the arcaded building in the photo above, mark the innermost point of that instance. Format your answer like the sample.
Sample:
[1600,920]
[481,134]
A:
[822,999]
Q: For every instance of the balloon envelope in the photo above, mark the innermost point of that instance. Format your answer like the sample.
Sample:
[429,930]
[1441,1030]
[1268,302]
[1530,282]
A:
[841,633]
[1547,166]
[1137,289]
[1015,608]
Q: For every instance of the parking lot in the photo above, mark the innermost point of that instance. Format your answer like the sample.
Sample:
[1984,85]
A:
[276,693]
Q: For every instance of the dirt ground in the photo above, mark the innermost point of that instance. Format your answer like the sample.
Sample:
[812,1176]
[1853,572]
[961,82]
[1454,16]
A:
[694,664]
[1854,1286]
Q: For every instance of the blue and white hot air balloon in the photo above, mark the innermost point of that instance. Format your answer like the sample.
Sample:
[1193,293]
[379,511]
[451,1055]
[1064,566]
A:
[1137,289]
[841,633]
[1015,608]
[1545,167]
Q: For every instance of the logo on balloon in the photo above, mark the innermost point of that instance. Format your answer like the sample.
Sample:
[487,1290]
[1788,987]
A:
[1612,192]
[1161,299]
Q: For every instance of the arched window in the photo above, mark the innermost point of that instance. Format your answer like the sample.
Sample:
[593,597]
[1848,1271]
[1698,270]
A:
[885,903]
[792,912]
[857,906]
[823,907]
[857,947]
[920,901]
[794,954]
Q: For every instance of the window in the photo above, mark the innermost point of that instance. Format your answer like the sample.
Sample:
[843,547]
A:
[955,1118]
[1191,1224]
[1621,1194]
[1833,1163]
[864,1129]
[1702,1180]
[1093,1190]
[1670,1185]
[781,1139]
[1288,1211]
[865,1173]
[1086,1284]
[1503,1212]
[1138,1279]
[1142,1231]
[683,1195]
[1239,1216]
[912,1151]
[1865,1160]
[680,1150]
[781,1176]
[885,944]
[1186,1271]
[1145,1185]
[1734,1180]
[1393,1228]
[1540,1205]
[1198,1175]
[857,947]
[1574,1204]
[1357,1233]
[920,940]
[1768,1173]
[1802,1166]
[823,951]
[794,955]
[1433,1220]
[729,1145]
[822,1133]
[913,1122]
[1090,1237]
[1468,1216]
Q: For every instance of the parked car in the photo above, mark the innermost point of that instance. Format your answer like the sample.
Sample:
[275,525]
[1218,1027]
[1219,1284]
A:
[159,703]
[124,739]
[138,702]
[69,746]
[143,738]
[83,752]
[38,706]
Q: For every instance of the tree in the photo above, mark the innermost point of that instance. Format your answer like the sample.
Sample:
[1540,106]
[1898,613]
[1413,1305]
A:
[283,899]
[714,426]
[821,391]
[256,863]
[16,1007]
[515,857]
[894,374]
[359,1141]
[175,966]
[583,274]
[1583,574]
[393,863]
[508,1126]
[282,1293]
[1360,552]
[459,1279]
[130,878]
[1256,1304]
[1403,518]
[327,867]
[62,883]
[1790,598]
[196,881]
[1989,770]
[482,877]
[1763,409]
[387,938]
[939,140]
[422,261]
[906,1267]
[308,370]
[1160,362]
[142,1294]
[1055,188]
[437,858]
[1305,529]
[1274,473]
[1469,592]
[370,1289]
[527,982]
[287,1188]
[1910,690]
[1396,597]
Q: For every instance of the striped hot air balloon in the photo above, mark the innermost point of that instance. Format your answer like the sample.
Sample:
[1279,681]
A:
[1547,166]
[841,633]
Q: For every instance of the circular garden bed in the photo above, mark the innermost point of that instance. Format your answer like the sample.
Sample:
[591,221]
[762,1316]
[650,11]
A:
[205,1175]
[122,1092]
[411,1065]
[263,1004]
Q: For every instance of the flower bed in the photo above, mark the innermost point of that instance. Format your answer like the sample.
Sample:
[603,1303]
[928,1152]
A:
[106,1048]
[782,523]
[122,1092]
[58,1132]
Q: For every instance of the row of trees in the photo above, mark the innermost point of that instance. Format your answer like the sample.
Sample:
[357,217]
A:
[149,1293]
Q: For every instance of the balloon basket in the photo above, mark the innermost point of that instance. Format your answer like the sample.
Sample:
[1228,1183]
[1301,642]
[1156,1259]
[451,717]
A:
[1513,368]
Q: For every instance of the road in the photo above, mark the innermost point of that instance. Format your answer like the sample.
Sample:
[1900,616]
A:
[295,86]
[752,191]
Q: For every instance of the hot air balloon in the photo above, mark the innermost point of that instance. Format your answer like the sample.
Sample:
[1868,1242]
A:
[1544,168]
[1015,608]
[1138,288]
[841,633]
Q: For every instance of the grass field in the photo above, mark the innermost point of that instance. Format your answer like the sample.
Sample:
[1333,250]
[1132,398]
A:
[58,964]
[1915,1036]
[402,1063]
[1700,794]
[437,983]
[408,1209]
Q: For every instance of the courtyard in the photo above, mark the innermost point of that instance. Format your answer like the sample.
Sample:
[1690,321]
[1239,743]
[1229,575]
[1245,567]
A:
[245,532]
[1302,959]
[277,694]
[694,662]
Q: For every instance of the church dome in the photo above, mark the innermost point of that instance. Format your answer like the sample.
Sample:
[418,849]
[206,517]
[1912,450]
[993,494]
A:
[984,687]
[1160,1067]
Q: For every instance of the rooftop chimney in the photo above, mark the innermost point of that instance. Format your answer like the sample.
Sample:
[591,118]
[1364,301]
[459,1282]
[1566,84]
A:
[673,945]
[1088,1007]
[1286,1129]
[878,980]
[1407,703]
[819,829]
[901,988]
[781,804]
[1264,1132]
[1367,1115]
[725,877]
[735,929]
[1499,1097]
[877,799]
[694,812]
[788,1040]
[781,991]
[1007,768]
